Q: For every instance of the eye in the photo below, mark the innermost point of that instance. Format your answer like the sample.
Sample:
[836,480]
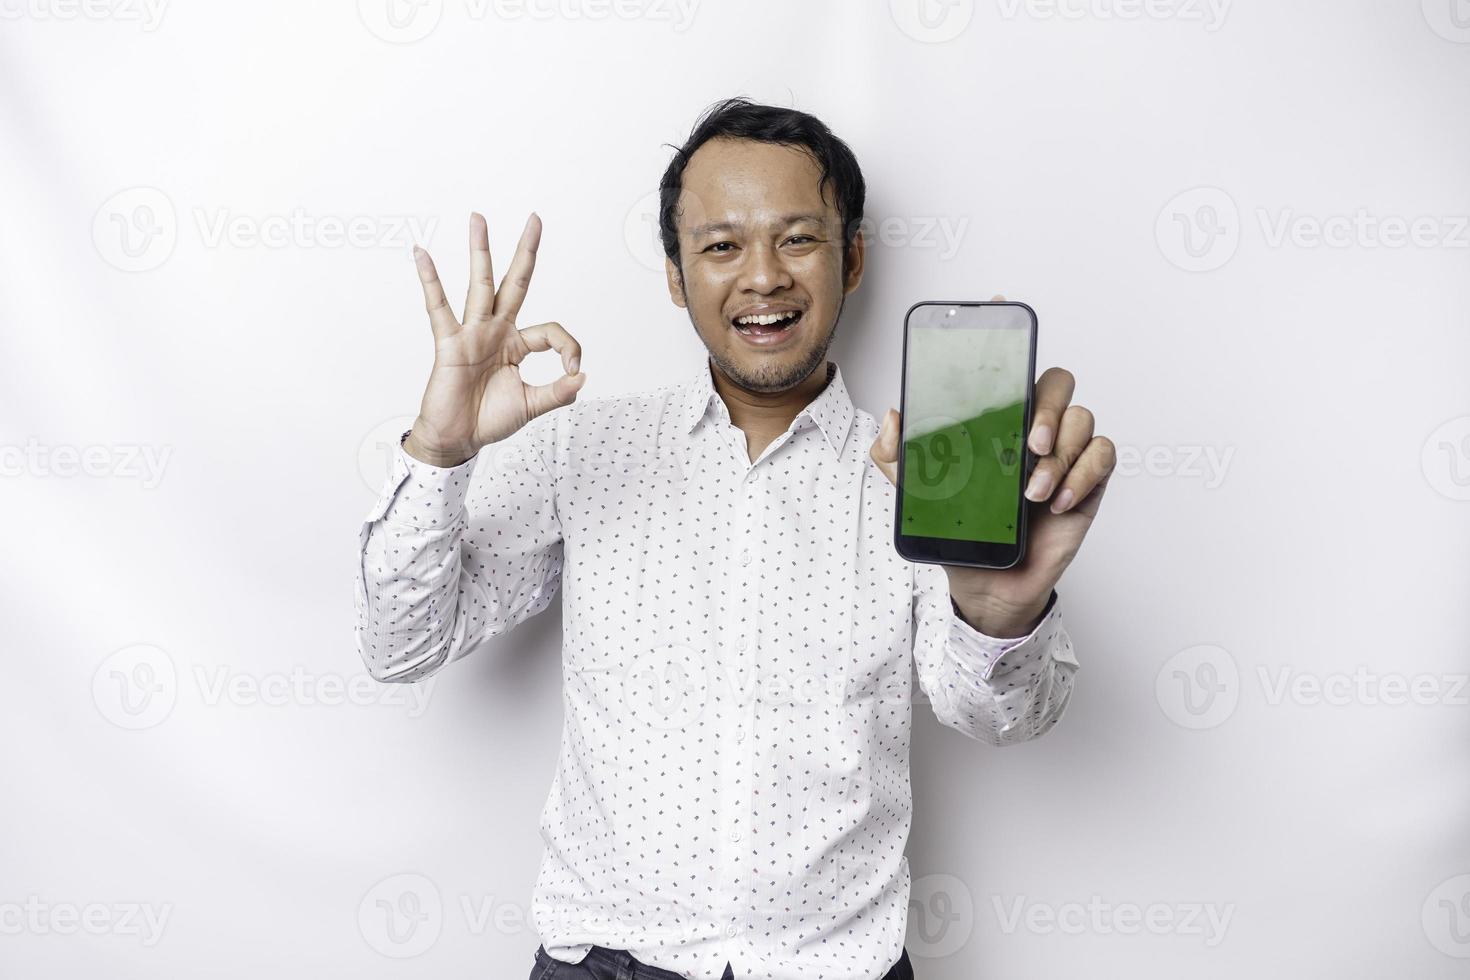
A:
[719,245]
[801,239]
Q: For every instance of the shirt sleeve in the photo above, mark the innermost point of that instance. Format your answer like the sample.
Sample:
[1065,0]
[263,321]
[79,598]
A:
[999,691]
[438,574]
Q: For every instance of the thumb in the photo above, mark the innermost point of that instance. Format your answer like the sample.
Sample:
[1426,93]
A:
[541,399]
[884,451]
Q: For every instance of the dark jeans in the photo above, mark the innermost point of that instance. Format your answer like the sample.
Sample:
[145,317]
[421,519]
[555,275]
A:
[602,963]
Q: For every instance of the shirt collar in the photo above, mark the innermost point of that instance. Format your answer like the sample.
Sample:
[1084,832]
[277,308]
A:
[831,410]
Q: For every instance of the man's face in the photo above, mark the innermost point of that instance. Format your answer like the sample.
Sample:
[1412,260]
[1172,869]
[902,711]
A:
[756,237]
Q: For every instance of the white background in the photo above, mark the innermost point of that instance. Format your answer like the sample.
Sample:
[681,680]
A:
[153,759]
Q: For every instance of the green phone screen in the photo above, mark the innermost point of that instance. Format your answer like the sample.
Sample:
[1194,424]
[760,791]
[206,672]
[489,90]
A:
[968,373]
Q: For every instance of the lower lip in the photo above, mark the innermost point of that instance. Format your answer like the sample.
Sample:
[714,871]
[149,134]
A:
[768,339]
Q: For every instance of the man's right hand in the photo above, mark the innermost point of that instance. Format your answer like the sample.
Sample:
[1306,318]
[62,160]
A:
[475,395]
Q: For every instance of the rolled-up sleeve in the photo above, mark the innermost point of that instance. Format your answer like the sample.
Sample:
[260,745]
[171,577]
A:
[999,691]
[452,556]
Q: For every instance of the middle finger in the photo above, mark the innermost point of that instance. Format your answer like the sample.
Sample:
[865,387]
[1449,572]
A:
[513,287]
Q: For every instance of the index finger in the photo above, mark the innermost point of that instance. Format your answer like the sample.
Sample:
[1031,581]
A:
[1053,394]
[518,279]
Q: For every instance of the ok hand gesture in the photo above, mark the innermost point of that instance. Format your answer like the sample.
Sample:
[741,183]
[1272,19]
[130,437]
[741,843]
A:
[475,395]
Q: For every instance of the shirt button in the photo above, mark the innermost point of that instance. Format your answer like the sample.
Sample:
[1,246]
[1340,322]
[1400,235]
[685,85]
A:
[735,834]
[745,557]
[743,643]
[739,734]
[731,930]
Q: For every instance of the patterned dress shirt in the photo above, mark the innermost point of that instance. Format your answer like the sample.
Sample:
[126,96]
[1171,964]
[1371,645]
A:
[739,643]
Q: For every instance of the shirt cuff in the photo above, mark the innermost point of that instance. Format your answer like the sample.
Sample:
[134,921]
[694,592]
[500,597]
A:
[424,496]
[989,656]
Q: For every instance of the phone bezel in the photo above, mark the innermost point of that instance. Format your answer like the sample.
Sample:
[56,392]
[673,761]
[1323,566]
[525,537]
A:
[947,551]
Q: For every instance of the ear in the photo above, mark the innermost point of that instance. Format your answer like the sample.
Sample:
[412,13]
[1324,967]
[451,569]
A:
[676,283]
[855,255]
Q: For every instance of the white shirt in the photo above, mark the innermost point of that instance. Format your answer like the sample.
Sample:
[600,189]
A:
[733,782]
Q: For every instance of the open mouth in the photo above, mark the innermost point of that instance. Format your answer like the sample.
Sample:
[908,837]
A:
[767,325]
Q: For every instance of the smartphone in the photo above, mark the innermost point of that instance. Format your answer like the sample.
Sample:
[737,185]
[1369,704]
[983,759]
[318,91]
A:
[968,383]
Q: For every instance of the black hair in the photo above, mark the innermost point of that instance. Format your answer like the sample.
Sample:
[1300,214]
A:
[740,118]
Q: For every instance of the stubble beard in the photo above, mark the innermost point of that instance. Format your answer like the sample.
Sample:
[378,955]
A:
[778,378]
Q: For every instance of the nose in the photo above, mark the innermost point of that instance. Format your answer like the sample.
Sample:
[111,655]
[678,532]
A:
[763,270]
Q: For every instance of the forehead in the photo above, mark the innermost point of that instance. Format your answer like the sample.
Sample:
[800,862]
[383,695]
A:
[734,178]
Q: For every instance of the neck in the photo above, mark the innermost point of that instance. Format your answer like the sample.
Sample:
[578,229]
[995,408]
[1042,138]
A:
[768,413]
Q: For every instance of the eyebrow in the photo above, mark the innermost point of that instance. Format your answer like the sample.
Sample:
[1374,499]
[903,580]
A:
[718,227]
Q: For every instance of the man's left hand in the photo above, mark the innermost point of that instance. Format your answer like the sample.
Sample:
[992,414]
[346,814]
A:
[1066,489]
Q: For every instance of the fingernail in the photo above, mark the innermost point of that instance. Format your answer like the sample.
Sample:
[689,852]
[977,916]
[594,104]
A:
[1063,501]
[576,363]
[1041,440]
[1040,485]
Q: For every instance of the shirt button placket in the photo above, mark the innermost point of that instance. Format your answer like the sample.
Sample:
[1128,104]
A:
[740,725]
[748,578]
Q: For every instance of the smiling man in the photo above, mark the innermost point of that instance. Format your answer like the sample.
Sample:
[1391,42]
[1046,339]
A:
[732,796]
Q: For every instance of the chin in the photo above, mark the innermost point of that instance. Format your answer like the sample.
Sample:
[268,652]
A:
[773,372]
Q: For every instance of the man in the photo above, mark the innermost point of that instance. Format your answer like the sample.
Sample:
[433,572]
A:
[732,797]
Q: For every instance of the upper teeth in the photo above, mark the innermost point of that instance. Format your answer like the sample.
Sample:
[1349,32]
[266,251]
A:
[765,319]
